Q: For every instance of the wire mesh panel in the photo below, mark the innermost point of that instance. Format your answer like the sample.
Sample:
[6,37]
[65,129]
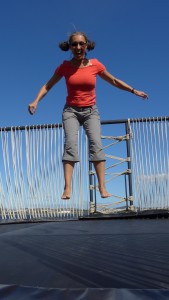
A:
[150,163]
[31,175]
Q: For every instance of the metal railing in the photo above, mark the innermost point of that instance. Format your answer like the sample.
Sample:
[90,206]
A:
[31,175]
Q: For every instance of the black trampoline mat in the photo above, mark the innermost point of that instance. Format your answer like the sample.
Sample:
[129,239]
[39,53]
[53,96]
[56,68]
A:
[94,254]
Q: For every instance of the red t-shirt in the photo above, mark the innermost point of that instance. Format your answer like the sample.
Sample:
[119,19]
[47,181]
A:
[80,82]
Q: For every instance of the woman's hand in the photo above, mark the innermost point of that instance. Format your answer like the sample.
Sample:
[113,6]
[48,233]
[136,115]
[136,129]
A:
[32,108]
[140,94]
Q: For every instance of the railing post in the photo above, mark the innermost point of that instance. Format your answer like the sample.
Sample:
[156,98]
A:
[126,192]
[91,184]
[128,141]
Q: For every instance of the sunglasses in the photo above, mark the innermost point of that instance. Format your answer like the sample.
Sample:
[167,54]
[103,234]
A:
[75,44]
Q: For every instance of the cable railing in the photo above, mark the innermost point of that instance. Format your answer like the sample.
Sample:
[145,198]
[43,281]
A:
[31,173]
[150,163]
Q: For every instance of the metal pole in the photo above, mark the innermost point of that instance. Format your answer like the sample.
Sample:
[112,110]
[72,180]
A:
[129,162]
[125,180]
[94,192]
[91,182]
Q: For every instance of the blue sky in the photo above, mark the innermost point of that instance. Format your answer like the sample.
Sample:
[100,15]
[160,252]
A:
[131,41]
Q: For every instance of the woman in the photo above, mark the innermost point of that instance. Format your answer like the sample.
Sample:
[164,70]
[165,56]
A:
[80,108]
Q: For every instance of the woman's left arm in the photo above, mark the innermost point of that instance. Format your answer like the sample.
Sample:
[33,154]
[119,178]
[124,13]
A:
[121,84]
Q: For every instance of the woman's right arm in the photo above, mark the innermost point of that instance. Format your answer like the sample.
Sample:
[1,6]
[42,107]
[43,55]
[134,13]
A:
[42,92]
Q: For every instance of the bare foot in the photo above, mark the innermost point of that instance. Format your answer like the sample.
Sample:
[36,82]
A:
[66,194]
[104,193]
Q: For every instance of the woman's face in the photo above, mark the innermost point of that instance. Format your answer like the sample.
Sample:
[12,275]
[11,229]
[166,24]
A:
[78,46]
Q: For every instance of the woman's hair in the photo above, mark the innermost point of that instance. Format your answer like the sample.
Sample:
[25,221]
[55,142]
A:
[65,46]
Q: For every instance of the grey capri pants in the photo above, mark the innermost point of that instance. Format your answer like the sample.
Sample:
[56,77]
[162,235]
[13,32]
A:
[72,118]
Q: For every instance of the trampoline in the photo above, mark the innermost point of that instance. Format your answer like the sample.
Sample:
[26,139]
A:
[85,259]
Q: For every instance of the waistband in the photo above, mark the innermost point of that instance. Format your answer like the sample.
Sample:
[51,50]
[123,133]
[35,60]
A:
[80,107]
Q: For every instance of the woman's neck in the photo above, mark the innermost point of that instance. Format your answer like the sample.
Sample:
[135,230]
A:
[79,62]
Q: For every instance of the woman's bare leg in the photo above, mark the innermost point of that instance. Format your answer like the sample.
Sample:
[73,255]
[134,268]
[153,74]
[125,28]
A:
[100,172]
[68,167]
